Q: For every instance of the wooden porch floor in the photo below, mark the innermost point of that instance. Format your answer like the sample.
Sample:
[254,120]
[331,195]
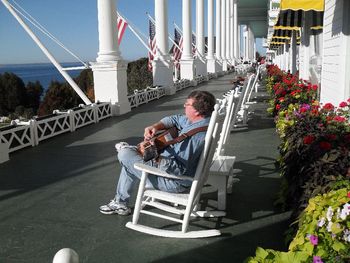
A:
[50,194]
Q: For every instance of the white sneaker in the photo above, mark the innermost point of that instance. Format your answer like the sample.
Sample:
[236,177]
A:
[114,207]
[121,145]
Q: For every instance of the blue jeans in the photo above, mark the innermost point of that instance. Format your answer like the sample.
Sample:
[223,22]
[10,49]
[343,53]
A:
[129,176]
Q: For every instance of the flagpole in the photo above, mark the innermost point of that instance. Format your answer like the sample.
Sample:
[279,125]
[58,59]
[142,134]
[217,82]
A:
[171,40]
[137,35]
[52,59]
[178,28]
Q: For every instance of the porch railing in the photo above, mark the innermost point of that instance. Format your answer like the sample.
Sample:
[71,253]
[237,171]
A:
[21,134]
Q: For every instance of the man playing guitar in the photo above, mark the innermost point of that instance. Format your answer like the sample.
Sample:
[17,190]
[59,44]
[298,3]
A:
[180,158]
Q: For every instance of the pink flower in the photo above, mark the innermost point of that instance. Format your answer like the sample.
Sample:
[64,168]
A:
[317,259]
[308,139]
[343,104]
[349,194]
[314,240]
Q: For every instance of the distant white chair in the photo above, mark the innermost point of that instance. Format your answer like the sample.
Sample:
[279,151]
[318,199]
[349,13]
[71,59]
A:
[178,207]
[240,111]
[254,85]
[66,255]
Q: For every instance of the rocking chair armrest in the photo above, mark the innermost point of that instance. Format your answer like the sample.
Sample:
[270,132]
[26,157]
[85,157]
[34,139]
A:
[156,171]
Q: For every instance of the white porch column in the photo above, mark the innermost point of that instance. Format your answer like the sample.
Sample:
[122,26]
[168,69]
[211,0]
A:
[254,49]
[286,57]
[305,43]
[239,46]
[218,36]
[223,35]
[283,57]
[109,70]
[235,31]
[293,53]
[245,42]
[187,62]
[232,32]
[162,64]
[228,32]
[201,62]
[210,56]
[250,43]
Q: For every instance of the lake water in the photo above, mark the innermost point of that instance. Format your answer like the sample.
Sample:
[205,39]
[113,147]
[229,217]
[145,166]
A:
[43,72]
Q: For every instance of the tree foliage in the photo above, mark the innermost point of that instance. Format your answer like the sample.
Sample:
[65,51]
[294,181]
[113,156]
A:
[20,100]
[61,96]
[16,98]
[138,75]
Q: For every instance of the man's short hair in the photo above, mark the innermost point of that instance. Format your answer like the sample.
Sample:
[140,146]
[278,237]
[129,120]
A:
[203,102]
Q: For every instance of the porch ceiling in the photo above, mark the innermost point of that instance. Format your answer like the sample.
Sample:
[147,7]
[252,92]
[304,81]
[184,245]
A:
[254,13]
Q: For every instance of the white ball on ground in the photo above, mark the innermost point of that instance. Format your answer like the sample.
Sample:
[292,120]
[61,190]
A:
[66,255]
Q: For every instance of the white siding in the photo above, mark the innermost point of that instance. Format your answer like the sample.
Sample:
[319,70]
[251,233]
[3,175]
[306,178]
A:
[335,52]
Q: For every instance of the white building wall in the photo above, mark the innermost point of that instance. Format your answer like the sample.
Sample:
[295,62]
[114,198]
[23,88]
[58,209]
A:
[335,83]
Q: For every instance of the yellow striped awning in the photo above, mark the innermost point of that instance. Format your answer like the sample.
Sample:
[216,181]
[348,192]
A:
[305,5]
[293,20]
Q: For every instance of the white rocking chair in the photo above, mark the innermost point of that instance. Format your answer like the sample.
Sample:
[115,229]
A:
[240,114]
[221,169]
[178,205]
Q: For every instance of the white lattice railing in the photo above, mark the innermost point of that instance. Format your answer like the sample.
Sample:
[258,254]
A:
[211,76]
[182,84]
[201,79]
[144,96]
[55,124]
[21,134]
[16,137]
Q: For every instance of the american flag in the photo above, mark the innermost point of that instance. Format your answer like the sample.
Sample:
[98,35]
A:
[152,44]
[122,25]
[177,51]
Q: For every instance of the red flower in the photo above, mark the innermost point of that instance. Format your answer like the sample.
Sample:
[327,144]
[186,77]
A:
[314,87]
[278,107]
[308,139]
[339,119]
[325,146]
[314,112]
[331,137]
[328,106]
[349,194]
[343,104]
[303,110]
[347,137]
[329,118]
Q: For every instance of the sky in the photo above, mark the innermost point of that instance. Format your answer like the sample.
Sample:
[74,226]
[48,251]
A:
[74,23]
